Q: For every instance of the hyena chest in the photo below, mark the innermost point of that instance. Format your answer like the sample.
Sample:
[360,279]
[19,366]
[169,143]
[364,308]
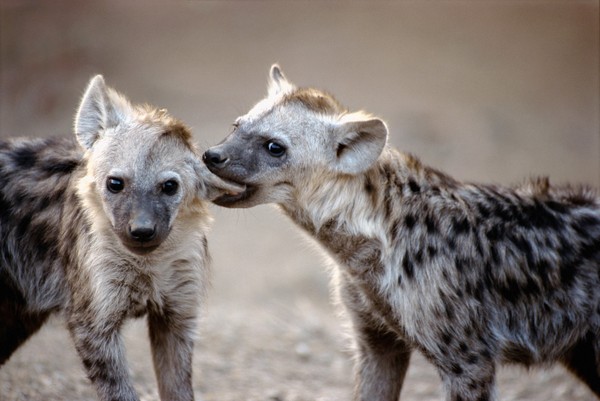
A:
[369,277]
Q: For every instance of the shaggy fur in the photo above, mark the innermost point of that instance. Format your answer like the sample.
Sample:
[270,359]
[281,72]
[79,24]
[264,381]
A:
[104,230]
[469,275]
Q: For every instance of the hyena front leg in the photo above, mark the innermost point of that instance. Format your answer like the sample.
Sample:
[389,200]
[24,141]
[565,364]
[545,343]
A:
[381,366]
[464,382]
[171,338]
[101,350]
[382,356]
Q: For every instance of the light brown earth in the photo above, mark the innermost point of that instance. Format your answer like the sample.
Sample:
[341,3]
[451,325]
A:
[485,90]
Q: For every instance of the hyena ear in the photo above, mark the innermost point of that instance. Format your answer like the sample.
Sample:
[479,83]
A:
[278,83]
[210,186]
[360,139]
[100,108]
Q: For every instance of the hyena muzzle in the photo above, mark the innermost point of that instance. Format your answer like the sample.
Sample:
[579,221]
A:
[469,275]
[105,229]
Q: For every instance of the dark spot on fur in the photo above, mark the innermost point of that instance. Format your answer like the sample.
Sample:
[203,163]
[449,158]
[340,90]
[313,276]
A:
[460,263]
[510,290]
[369,186]
[472,359]
[449,311]
[409,221]
[451,243]
[494,255]
[419,257]
[431,251]
[430,224]
[5,209]
[61,167]
[446,338]
[407,266]
[537,215]
[495,232]
[414,187]
[24,157]
[456,369]
[484,210]
[567,274]
[460,225]
[523,245]
[531,287]
[23,226]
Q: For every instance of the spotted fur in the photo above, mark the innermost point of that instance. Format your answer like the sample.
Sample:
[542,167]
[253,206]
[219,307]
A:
[469,275]
[70,245]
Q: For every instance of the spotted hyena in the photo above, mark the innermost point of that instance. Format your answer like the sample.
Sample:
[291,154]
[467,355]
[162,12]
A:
[106,229]
[469,275]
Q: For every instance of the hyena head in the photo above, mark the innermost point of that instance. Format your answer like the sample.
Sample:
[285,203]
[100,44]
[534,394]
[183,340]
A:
[290,139]
[142,167]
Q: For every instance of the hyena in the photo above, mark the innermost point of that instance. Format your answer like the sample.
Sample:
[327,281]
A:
[103,228]
[469,275]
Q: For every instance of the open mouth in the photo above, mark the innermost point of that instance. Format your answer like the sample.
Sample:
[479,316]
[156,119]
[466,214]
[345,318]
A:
[228,200]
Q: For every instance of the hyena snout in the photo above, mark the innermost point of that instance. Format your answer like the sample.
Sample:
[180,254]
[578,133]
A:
[144,231]
[215,158]
[142,228]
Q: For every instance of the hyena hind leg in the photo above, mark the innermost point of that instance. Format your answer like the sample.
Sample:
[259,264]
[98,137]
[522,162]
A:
[583,360]
[16,326]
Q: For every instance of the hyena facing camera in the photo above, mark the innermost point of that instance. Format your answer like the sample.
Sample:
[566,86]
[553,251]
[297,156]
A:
[111,228]
[469,275]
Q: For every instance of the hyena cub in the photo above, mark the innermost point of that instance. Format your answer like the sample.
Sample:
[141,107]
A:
[104,230]
[469,275]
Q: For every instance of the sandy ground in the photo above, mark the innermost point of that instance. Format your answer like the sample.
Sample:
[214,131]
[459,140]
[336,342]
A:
[485,90]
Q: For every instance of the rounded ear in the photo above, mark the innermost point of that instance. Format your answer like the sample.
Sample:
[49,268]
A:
[100,108]
[211,186]
[278,83]
[360,139]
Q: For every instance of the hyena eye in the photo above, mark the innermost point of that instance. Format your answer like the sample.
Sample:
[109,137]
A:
[115,184]
[275,149]
[170,187]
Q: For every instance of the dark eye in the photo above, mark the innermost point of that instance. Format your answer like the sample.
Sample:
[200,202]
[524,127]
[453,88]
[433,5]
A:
[115,184]
[170,187]
[275,149]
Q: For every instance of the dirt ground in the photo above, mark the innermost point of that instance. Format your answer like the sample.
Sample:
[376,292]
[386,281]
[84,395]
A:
[485,90]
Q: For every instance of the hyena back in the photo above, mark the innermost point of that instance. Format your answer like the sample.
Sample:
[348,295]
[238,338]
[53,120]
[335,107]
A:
[105,228]
[469,275]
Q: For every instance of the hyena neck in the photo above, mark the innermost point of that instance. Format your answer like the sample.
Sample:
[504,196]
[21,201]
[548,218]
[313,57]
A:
[348,213]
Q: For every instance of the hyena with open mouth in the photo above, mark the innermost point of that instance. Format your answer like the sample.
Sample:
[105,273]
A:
[469,275]
[106,229]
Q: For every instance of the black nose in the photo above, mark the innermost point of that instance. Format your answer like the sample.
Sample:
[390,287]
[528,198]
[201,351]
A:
[142,234]
[213,158]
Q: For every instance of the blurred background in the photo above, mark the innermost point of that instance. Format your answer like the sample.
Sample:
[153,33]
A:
[494,91]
